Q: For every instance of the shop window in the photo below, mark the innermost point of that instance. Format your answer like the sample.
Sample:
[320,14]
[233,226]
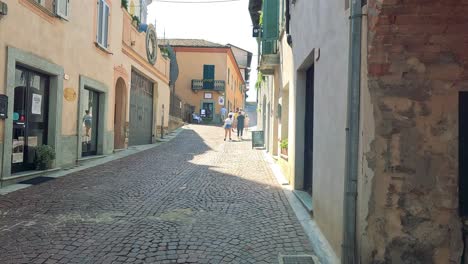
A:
[103,24]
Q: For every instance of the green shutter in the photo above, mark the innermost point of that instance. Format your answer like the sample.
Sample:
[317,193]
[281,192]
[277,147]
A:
[208,76]
[270,19]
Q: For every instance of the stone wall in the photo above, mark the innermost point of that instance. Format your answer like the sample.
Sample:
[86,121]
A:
[417,64]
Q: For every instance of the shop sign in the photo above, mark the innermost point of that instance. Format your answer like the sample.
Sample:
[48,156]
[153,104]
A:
[208,95]
[69,94]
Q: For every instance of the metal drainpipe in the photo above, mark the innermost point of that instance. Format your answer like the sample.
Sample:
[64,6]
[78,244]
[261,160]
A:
[349,248]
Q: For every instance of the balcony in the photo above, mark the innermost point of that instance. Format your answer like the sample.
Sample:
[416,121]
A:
[214,85]
[269,58]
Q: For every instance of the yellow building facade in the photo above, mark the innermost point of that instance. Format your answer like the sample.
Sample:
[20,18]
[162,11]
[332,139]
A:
[209,77]
[76,76]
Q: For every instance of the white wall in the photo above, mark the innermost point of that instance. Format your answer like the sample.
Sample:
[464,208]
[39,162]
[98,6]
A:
[327,30]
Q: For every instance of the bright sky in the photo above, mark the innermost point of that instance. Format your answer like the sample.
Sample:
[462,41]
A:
[222,23]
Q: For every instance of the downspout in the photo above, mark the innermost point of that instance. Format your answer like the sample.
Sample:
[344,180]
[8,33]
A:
[349,248]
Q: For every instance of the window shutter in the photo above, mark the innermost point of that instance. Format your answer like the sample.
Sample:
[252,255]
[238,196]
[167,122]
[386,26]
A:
[99,22]
[105,29]
[270,32]
[62,8]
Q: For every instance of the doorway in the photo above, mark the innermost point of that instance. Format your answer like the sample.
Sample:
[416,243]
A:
[120,114]
[309,130]
[141,110]
[30,117]
[90,130]
[209,109]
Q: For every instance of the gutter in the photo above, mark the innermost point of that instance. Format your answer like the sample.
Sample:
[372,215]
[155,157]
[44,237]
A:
[349,246]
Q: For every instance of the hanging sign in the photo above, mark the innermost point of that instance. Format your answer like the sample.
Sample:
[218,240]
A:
[221,100]
[36,104]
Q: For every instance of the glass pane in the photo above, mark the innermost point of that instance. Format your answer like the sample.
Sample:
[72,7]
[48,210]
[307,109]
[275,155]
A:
[19,118]
[90,123]
[37,114]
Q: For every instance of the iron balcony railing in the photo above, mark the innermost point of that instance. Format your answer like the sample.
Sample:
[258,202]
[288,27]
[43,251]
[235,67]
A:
[215,85]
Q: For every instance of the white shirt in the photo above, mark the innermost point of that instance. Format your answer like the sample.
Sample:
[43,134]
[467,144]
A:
[228,121]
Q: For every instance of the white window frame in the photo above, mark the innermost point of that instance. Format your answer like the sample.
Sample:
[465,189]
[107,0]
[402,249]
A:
[105,33]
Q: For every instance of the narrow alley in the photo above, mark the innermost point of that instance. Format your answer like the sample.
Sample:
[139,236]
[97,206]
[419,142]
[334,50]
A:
[194,199]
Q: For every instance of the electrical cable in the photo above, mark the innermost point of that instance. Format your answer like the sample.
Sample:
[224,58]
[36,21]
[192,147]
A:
[196,2]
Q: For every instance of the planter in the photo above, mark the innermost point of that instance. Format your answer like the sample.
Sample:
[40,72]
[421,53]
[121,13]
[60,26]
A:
[44,165]
[284,151]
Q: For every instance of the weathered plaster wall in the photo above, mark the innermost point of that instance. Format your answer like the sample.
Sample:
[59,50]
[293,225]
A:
[287,83]
[327,30]
[417,63]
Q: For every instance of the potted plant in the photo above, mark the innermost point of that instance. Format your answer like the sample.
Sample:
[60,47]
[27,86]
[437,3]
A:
[45,155]
[165,52]
[136,21]
[124,4]
[284,147]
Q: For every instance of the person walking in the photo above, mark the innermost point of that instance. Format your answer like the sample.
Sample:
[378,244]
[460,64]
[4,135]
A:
[240,124]
[234,124]
[227,127]
[223,114]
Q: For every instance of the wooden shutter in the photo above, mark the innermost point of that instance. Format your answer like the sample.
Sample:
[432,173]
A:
[270,19]
[105,27]
[62,8]
[208,76]
[270,32]
[99,22]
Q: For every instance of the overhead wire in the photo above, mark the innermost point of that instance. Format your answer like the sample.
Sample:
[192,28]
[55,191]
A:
[196,2]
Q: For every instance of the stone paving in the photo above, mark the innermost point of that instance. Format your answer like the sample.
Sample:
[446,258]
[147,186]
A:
[195,199]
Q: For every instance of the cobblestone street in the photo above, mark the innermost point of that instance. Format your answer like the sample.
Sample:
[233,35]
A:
[195,199]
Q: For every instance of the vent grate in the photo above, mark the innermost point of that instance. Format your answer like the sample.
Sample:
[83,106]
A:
[297,259]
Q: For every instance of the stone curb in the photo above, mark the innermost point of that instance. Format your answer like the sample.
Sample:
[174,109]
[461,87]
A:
[320,245]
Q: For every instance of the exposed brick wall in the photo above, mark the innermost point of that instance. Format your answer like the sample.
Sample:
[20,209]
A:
[417,64]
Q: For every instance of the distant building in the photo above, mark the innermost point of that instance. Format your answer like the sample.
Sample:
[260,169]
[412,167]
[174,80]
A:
[244,60]
[209,77]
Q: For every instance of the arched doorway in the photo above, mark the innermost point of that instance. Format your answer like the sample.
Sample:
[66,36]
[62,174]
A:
[120,114]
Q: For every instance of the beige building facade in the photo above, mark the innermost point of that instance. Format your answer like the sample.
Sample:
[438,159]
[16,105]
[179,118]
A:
[70,81]
[209,77]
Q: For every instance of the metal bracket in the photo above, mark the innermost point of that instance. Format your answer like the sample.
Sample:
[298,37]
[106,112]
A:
[357,15]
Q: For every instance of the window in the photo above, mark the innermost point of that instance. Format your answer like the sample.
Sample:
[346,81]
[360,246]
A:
[229,74]
[60,8]
[103,24]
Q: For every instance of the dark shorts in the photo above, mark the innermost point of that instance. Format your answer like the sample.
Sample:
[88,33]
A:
[228,126]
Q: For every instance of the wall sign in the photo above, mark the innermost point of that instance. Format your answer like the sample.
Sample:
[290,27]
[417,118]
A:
[221,100]
[151,45]
[36,104]
[69,94]
[208,95]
